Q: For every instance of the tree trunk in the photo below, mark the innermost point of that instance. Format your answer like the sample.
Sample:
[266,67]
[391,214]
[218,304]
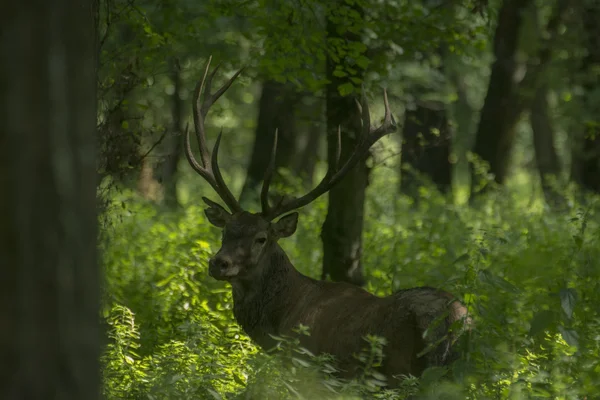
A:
[307,157]
[311,122]
[342,230]
[276,111]
[465,122]
[174,146]
[501,110]
[49,302]
[547,160]
[426,141]
[585,168]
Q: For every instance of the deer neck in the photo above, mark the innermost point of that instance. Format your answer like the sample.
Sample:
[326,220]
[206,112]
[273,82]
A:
[259,304]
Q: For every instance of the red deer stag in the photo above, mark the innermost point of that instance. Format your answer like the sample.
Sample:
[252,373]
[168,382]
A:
[272,298]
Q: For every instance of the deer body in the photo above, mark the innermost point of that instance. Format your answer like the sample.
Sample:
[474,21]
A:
[272,298]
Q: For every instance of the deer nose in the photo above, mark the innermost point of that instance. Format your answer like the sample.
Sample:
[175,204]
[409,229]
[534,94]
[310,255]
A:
[222,262]
[218,265]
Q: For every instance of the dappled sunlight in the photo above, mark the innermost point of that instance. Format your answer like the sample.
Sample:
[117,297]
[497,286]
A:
[523,273]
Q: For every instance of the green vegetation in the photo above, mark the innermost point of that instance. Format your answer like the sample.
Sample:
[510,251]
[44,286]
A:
[530,278]
[497,204]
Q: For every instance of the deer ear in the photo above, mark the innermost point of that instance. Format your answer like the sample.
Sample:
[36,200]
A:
[217,215]
[286,226]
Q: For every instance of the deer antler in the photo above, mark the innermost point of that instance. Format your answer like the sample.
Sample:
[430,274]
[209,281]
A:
[209,169]
[368,137]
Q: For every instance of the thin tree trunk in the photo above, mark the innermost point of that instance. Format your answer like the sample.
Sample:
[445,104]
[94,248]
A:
[501,111]
[311,122]
[464,118]
[342,230]
[49,302]
[426,141]
[276,111]
[547,160]
[174,146]
[307,157]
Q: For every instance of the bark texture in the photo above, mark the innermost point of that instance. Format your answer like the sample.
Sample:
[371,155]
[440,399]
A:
[276,111]
[342,230]
[546,157]
[174,145]
[585,169]
[49,302]
[501,109]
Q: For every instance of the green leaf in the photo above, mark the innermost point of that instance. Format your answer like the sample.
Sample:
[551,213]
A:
[165,281]
[568,298]
[214,394]
[300,362]
[569,335]
[461,258]
[363,62]
[346,88]
[488,277]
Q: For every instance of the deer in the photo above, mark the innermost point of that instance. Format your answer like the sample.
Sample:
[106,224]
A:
[272,298]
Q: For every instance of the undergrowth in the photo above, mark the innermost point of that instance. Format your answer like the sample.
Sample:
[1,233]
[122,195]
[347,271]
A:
[530,277]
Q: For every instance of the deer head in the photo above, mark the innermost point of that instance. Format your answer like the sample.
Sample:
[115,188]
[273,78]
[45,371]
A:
[249,237]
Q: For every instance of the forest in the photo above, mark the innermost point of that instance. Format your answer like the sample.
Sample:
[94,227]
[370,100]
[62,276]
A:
[198,195]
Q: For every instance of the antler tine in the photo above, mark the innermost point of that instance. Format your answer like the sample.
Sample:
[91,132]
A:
[194,163]
[388,119]
[334,176]
[199,113]
[210,99]
[338,148]
[264,193]
[225,193]
[208,168]
[365,113]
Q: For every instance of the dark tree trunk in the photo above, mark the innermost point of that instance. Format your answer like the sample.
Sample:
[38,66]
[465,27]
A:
[342,230]
[311,122]
[426,141]
[585,169]
[276,111]
[174,146]
[501,110]
[49,302]
[546,158]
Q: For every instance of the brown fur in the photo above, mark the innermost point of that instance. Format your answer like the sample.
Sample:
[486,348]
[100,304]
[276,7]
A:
[271,298]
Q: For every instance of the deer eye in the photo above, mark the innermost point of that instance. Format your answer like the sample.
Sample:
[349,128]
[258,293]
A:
[260,240]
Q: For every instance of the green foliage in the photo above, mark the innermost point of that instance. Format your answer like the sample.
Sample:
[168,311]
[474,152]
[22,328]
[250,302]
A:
[529,277]
[170,329]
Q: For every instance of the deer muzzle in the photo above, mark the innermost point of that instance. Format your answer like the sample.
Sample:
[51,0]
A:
[222,268]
